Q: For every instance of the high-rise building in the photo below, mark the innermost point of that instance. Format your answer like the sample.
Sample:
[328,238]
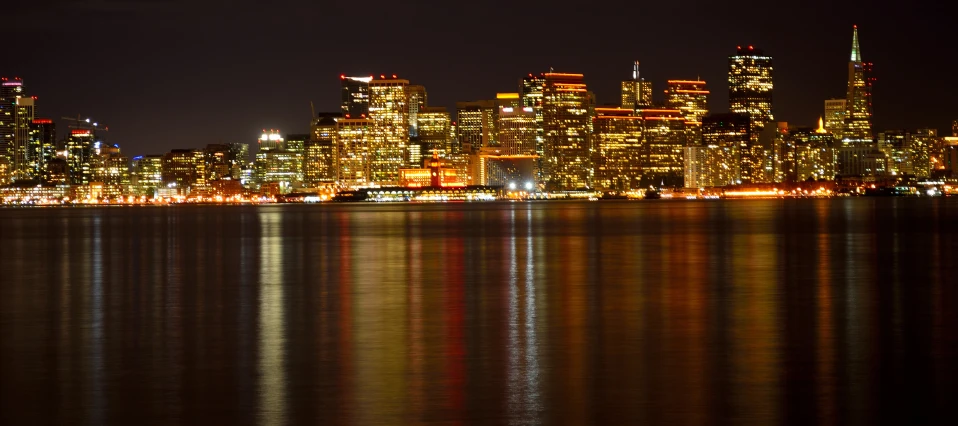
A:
[41,147]
[567,163]
[434,124]
[617,137]
[636,93]
[296,142]
[858,116]
[271,140]
[24,113]
[893,143]
[79,154]
[725,138]
[184,171]
[217,161]
[10,90]
[476,125]
[690,97]
[319,161]
[751,86]
[517,130]
[530,93]
[353,153]
[664,137]
[355,96]
[416,101]
[814,154]
[389,116]
[111,170]
[147,174]
[835,116]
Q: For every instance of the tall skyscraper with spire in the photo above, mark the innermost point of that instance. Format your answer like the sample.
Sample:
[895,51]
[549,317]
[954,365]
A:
[636,93]
[858,102]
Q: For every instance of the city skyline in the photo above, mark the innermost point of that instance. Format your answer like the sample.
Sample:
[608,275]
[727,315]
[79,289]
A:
[211,78]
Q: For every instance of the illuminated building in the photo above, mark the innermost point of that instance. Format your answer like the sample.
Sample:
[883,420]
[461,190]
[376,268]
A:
[434,127]
[23,117]
[319,160]
[111,171]
[353,151]
[184,171]
[918,148]
[636,93]
[355,95]
[432,175]
[617,137]
[416,101]
[530,94]
[567,162]
[517,130]
[716,162]
[271,140]
[147,174]
[814,154]
[835,111]
[690,97]
[79,153]
[57,172]
[751,86]
[491,166]
[10,90]
[892,144]
[217,157]
[296,142]
[41,147]
[861,160]
[475,125]
[276,163]
[664,138]
[858,115]
[509,99]
[389,118]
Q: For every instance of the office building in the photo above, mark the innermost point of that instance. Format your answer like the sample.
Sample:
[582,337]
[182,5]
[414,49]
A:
[415,101]
[751,86]
[147,175]
[319,159]
[517,130]
[41,147]
[434,128]
[475,125]
[567,162]
[353,152]
[355,96]
[617,136]
[389,118]
[636,92]
[835,110]
[10,90]
[858,107]
[664,137]
[183,171]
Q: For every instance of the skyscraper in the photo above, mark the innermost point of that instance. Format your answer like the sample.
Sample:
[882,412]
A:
[10,90]
[618,148]
[664,137]
[355,97]
[567,127]
[389,114]
[416,101]
[353,151]
[433,124]
[636,93]
[41,147]
[858,116]
[690,97]
[835,116]
[23,117]
[517,130]
[530,93]
[319,160]
[750,86]
[476,125]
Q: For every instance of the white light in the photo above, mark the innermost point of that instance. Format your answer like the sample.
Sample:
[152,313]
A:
[506,109]
[88,120]
[264,137]
[94,124]
[529,185]
[512,185]
[274,137]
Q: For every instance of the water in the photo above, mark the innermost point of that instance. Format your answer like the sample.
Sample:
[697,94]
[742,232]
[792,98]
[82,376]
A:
[771,312]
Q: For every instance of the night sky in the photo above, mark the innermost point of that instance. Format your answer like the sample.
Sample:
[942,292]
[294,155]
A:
[174,74]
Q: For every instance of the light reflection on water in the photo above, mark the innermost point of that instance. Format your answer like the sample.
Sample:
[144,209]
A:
[697,313]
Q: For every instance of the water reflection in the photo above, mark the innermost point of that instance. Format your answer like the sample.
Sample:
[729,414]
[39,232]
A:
[691,313]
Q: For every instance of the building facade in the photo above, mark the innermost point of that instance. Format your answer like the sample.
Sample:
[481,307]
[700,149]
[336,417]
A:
[567,162]
[389,119]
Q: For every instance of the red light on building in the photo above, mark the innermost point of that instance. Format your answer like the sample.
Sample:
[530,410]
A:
[42,121]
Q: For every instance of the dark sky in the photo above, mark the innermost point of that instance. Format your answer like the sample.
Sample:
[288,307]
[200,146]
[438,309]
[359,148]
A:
[168,74]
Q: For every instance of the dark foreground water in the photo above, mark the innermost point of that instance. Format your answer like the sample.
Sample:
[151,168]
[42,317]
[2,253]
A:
[832,312]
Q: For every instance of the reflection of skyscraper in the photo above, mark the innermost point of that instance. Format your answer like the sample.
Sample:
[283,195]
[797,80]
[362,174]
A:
[750,86]
[858,116]
[355,97]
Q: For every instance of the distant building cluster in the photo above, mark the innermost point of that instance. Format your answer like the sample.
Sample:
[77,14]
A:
[548,135]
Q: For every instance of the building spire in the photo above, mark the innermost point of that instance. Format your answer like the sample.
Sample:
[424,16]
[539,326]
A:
[821,126]
[856,52]
[635,71]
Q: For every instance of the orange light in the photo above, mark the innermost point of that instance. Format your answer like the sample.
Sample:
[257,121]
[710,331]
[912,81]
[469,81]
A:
[561,74]
[686,81]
